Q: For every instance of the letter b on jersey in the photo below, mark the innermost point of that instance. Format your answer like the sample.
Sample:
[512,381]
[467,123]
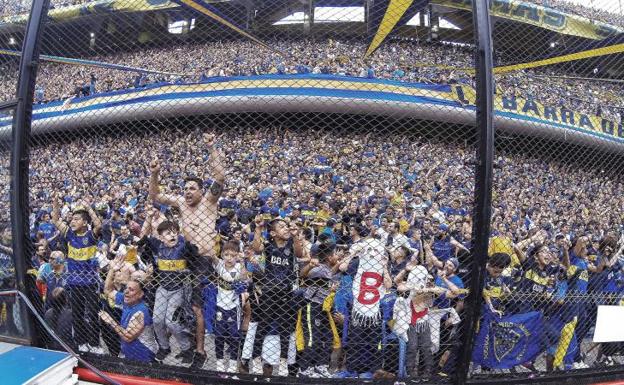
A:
[369,288]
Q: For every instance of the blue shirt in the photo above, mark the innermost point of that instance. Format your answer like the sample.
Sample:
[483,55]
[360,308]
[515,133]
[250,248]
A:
[578,275]
[442,248]
[136,350]
[442,302]
[82,266]
[494,289]
[48,230]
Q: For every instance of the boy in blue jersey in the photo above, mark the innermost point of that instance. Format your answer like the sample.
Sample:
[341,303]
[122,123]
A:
[54,277]
[577,309]
[496,286]
[136,329]
[535,290]
[173,256]
[278,278]
[83,282]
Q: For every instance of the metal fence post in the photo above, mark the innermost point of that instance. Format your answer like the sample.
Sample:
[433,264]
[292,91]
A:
[483,181]
[20,152]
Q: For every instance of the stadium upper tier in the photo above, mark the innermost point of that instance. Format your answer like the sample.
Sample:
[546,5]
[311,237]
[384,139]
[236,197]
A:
[402,61]
[612,16]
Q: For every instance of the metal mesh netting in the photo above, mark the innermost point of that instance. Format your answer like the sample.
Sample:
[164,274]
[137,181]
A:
[281,188]
[556,239]
[12,325]
[264,199]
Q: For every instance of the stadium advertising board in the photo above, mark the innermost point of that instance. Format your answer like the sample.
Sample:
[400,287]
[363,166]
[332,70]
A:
[533,111]
[325,87]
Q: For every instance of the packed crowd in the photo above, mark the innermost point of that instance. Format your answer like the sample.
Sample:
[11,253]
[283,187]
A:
[241,58]
[612,15]
[404,61]
[18,7]
[143,243]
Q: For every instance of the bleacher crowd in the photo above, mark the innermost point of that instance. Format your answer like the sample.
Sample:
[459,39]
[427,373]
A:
[611,15]
[19,7]
[403,61]
[308,246]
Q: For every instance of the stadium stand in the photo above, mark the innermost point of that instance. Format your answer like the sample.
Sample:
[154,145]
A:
[316,245]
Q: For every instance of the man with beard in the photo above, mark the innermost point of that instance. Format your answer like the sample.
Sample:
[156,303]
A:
[199,213]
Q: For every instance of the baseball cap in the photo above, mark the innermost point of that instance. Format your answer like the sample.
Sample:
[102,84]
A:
[443,227]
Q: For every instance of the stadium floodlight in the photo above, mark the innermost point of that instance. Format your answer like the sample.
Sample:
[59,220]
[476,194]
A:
[12,41]
[553,44]
[92,34]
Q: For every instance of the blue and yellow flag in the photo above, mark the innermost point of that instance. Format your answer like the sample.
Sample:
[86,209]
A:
[504,342]
[387,14]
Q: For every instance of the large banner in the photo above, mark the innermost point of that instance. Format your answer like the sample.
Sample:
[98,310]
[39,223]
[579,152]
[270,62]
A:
[384,92]
[387,14]
[540,16]
[534,111]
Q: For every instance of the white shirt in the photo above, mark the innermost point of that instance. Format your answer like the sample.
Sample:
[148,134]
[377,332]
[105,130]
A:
[228,299]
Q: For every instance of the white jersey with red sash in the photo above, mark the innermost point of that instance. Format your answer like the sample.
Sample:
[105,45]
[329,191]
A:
[368,286]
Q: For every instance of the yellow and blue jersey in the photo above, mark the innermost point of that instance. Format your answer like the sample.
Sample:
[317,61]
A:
[494,290]
[172,263]
[578,275]
[82,267]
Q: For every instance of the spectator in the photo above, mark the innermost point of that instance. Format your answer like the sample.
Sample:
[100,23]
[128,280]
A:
[136,329]
[60,318]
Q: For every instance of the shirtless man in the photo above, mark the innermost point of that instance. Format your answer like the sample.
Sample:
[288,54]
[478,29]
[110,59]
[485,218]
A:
[199,213]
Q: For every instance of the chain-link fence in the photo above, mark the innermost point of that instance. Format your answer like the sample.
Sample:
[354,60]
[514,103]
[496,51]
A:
[286,188]
[13,325]
[556,236]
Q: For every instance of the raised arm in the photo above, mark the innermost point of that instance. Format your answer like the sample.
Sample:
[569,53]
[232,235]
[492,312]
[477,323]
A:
[566,254]
[109,288]
[314,262]
[6,249]
[96,222]
[146,229]
[387,277]
[216,168]
[154,189]
[400,278]
[257,245]
[56,215]
[295,232]
[453,290]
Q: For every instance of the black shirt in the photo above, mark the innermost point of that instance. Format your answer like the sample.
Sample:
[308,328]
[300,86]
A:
[280,265]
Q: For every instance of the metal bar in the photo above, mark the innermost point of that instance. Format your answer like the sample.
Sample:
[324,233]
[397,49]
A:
[20,152]
[8,105]
[483,182]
